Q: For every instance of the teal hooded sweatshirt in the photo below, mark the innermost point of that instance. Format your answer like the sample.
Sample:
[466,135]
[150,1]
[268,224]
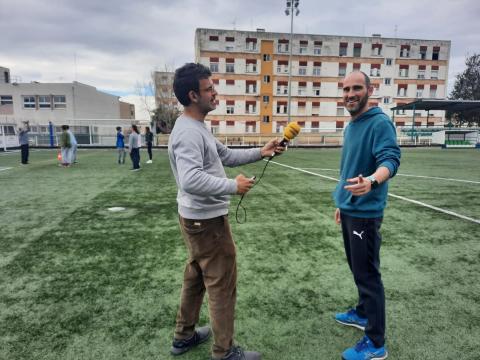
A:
[370,141]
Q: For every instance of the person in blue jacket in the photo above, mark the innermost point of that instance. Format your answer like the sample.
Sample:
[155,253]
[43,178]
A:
[120,144]
[370,157]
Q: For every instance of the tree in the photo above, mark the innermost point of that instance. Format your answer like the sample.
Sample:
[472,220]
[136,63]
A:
[467,87]
[167,111]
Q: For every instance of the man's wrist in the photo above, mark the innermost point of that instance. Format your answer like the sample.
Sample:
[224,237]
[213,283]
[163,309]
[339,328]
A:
[373,181]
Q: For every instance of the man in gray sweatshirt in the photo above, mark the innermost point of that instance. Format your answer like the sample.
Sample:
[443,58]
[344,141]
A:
[197,160]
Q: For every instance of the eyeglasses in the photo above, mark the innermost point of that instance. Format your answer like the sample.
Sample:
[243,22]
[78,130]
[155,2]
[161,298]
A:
[209,89]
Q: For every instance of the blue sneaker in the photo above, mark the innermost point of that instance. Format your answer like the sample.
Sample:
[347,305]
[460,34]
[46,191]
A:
[365,350]
[351,318]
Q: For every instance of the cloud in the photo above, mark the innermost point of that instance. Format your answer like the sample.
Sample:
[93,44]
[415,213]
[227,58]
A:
[114,44]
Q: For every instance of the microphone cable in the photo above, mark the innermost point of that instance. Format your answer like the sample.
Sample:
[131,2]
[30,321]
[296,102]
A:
[243,195]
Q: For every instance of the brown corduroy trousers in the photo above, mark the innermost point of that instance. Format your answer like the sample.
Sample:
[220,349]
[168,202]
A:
[212,267]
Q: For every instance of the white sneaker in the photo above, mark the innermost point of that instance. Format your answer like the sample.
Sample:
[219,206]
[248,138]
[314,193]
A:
[149,162]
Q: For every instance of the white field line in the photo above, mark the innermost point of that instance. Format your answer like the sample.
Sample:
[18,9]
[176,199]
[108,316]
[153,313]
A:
[3,169]
[415,176]
[390,194]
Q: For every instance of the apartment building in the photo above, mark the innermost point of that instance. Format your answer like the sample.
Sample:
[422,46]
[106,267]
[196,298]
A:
[251,71]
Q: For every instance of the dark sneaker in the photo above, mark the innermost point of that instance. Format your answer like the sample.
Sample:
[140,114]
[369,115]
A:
[237,353]
[365,350]
[351,318]
[182,346]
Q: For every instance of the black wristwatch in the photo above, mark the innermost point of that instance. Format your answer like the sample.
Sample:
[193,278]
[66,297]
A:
[373,181]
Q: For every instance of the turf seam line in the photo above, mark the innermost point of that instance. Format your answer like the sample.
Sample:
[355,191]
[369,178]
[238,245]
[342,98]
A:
[448,212]
[2,169]
[409,175]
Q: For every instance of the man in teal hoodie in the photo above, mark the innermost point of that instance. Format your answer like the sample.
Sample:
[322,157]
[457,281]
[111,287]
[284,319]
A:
[370,157]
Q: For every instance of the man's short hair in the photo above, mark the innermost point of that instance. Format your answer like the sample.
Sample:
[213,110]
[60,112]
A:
[187,78]
[64,127]
[118,128]
[368,83]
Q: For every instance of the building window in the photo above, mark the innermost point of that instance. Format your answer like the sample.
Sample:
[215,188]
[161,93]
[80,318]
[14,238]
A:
[343,49]
[419,91]
[386,100]
[403,72]
[388,81]
[250,126]
[266,119]
[281,107]
[250,107]
[282,88]
[315,110]
[59,102]
[251,66]
[421,72]
[282,46]
[266,99]
[434,72]
[423,52]
[433,91]
[213,38]
[316,89]
[435,53]
[266,57]
[376,49]
[402,90]
[6,100]
[357,49]
[375,70]
[405,51]
[303,46]
[229,48]
[342,69]
[317,68]
[302,88]
[302,70]
[251,44]
[388,62]
[230,82]
[230,66]
[301,108]
[251,86]
[317,47]
[230,123]
[230,109]
[266,79]
[214,65]
[29,102]
[340,111]
[282,66]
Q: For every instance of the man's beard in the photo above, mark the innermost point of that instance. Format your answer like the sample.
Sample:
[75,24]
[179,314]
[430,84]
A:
[359,107]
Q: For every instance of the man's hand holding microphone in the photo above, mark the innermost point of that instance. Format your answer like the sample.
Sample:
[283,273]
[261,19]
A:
[244,184]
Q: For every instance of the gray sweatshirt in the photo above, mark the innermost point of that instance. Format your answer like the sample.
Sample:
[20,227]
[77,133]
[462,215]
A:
[133,140]
[197,160]
[23,136]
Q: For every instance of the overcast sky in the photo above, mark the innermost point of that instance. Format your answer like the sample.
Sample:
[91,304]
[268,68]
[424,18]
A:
[114,45]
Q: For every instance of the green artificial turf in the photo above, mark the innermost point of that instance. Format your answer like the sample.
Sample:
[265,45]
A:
[80,282]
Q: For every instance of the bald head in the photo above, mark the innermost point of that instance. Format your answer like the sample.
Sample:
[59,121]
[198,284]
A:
[359,75]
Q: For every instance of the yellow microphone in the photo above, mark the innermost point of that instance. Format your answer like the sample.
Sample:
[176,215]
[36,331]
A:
[290,132]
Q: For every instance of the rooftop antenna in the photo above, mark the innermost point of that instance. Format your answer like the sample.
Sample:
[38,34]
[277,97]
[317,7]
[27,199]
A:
[75,64]
[234,22]
[396,31]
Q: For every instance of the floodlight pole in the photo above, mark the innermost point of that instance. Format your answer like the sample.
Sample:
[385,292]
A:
[291,7]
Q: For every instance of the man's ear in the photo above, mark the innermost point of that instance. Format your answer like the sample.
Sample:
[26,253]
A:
[370,90]
[193,96]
